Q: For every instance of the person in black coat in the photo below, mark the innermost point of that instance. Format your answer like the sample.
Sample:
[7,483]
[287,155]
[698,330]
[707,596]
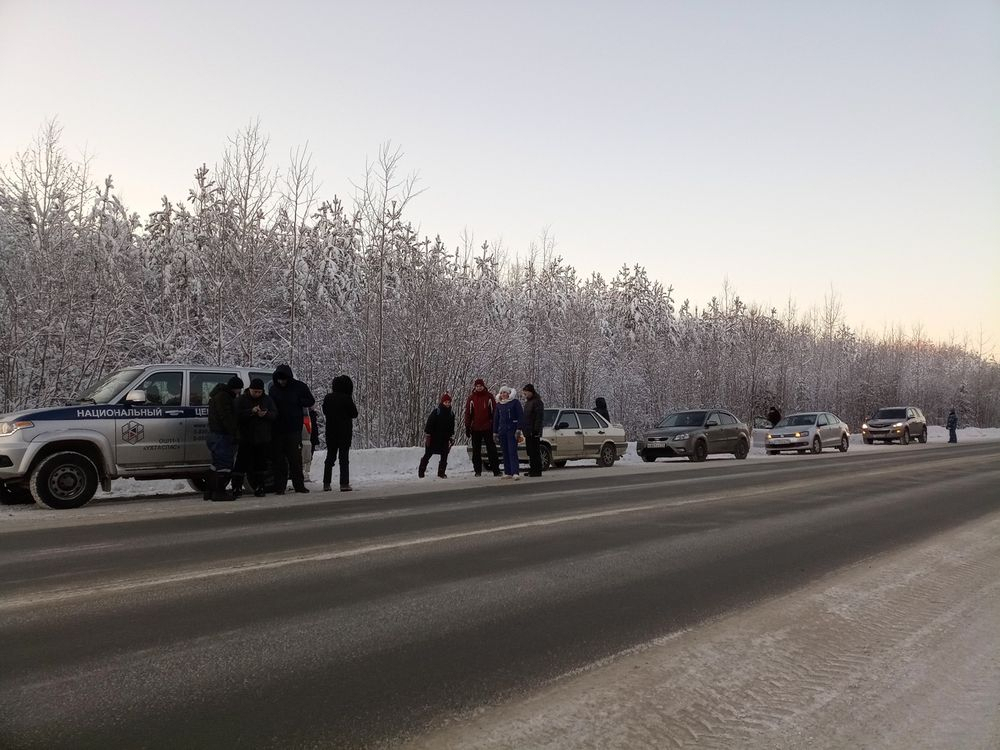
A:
[952,425]
[255,415]
[773,415]
[223,437]
[439,436]
[292,398]
[340,412]
[532,422]
[601,407]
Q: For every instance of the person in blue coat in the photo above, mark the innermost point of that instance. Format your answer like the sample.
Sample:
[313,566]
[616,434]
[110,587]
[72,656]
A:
[952,425]
[506,419]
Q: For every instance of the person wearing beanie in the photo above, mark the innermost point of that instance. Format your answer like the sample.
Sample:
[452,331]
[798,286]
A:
[479,409]
[439,436]
[505,427]
[531,425]
[223,436]
[340,412]
[292,398]
[255,415]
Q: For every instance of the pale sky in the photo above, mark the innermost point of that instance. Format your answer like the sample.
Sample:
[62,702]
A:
[793,147]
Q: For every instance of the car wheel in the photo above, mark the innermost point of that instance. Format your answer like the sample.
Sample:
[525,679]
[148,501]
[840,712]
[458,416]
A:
[15,496]
[845,443]
[868,441]
[742,449]
[772,453]
[64,480]
[198,484]
[905,440]
[559,464]
[608,455]
[923,436]
[816,447]
[649,459]
[700,451]
[546,453]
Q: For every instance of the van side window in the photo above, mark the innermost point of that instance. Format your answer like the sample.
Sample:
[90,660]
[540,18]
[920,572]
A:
[202,384]
[163,388]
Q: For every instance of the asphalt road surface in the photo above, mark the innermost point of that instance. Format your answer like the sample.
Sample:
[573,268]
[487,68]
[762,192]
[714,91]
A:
[376,618]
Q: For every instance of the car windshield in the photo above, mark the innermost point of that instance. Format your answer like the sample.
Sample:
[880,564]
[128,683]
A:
[549,417]
[797,420]
[890,414]
[684,419]
[104,390]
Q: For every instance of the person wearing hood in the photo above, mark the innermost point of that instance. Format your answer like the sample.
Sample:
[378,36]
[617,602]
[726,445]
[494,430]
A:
[292,399]
[479,409]
[601,407]
[532,422]
[340,412]
[439,436]
[255,415]
[223,437]
[506,419]
[773,415]
[952,425]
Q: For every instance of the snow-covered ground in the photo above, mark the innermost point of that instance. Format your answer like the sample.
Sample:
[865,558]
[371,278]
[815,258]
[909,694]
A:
[396,468]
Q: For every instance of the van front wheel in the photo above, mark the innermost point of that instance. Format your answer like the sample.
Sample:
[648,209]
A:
[64,480]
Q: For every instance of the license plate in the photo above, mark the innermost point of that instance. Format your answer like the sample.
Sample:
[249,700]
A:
[780,441]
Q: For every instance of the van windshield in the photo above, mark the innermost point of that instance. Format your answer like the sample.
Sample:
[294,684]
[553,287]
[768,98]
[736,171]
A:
[104,390]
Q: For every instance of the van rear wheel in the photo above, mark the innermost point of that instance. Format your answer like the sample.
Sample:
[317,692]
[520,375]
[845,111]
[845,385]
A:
[64,480]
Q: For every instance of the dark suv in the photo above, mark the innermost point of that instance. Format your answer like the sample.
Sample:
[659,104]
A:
[695,434]
[901,423]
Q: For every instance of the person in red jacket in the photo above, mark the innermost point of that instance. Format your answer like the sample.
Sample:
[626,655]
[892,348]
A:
[479,409]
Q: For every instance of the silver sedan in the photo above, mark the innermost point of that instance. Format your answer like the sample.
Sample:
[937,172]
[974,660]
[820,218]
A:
[808,431]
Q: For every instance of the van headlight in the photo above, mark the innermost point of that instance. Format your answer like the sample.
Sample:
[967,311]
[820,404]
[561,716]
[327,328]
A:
[9,428]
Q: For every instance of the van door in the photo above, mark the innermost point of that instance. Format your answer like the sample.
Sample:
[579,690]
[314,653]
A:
[151,434]
[200,386]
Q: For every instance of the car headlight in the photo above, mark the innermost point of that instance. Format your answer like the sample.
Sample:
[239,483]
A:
[769,436]
[864,426]
[9,428]
[682,436]
[898,424]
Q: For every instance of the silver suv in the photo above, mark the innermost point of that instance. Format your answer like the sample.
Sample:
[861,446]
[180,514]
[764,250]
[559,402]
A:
[144,422]
[901,423]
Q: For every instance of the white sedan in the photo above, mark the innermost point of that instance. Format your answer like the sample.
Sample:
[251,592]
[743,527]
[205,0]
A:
[808,431]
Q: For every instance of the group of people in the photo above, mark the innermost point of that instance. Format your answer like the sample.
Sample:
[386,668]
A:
[249,429]
[488,420]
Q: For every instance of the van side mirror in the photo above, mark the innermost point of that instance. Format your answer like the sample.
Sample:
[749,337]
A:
[137,396]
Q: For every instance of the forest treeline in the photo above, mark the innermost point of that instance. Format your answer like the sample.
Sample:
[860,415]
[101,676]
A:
[254,267]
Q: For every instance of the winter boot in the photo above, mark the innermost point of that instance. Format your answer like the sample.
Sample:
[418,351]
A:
[237,484]
[219,492]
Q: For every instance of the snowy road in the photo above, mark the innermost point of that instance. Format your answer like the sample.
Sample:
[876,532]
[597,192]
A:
[827,601]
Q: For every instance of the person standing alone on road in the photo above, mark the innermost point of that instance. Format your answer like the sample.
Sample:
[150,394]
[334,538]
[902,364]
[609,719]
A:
[223,436]
[601,407]
[291,396]
[531,425]
[255,415]
[340,411]
[952,425]
[479,409]
[439,436]
[505,424]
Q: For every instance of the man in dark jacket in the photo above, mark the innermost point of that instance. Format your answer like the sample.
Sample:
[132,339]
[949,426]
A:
[601,407]
[255,415]
[479,409]
[223,436]
[952,425]
[773,415]
[340,411]
[292,399]
[439,436]
[532,422]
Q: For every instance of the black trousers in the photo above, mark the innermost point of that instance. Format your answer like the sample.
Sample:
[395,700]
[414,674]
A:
[251,462]
[286,452]
[442,464]
[533,447]
[336,453]
[478,437]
